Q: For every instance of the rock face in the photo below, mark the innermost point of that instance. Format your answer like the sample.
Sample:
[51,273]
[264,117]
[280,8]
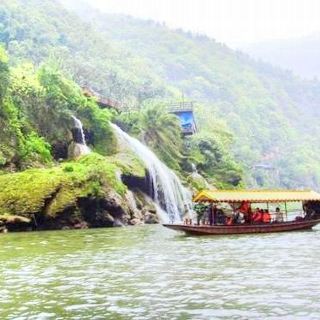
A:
[87,193]
[198,182]
[77,150]
[60,150]
[14,223]
[141,209]
[110,211]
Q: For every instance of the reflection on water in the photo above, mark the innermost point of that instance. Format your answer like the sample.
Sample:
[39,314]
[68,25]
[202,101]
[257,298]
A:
[153,273]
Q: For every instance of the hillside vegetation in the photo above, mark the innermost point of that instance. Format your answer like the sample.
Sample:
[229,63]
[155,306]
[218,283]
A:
[37,190]
[270,112]
[265,115]
[121,75]
[47,184]
[44,183]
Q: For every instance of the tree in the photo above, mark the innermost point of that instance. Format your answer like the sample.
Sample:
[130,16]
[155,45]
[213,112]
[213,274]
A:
[4,73]
[162,132]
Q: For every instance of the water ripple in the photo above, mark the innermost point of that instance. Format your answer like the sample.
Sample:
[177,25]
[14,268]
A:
[153,273]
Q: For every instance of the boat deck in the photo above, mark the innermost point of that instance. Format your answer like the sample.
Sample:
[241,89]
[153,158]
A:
[243,228]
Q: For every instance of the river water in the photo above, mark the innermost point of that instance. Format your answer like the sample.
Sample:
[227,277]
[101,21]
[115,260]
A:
[150,272]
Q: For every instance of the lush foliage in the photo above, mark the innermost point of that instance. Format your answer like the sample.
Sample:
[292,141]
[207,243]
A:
[209,152]
[36,109]
[4,73]
[213,161]
[270,113]
[103,67]
[159,129]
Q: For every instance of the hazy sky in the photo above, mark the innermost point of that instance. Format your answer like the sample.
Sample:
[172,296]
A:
[229,21]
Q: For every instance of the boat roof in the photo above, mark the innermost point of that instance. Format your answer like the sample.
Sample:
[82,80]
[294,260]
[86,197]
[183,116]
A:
[256,196]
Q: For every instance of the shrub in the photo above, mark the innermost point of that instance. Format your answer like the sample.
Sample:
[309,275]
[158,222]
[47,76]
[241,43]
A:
[36,148]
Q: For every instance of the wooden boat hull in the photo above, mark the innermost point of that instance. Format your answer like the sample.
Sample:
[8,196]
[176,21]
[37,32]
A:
[243,229]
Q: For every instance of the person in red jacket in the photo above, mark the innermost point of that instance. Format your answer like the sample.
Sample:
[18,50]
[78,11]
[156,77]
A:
[266,217]
[257,216]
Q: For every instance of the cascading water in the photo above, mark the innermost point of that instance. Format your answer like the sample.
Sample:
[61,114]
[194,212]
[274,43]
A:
[81,145]
[167,190]
[194,168]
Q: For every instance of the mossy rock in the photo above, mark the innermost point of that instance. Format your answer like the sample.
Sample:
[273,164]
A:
[51,191]
[13,219]
[129,163]
[198,182]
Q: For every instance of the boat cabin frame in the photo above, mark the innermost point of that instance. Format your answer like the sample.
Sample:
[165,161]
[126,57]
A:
[241,200]
[237,199]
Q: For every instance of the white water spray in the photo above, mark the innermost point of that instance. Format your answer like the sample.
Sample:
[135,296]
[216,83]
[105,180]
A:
[168,191]
[82,145]
[194,168]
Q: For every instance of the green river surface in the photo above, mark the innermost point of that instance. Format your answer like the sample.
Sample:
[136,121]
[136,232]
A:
[150,272]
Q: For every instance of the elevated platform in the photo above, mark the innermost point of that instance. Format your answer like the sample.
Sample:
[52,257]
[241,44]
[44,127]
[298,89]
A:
[103,102]
[184,111]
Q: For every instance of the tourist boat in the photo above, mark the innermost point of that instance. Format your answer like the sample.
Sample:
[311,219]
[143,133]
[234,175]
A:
[242,200]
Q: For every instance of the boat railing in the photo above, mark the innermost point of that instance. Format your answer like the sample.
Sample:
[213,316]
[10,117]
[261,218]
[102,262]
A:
[299,217]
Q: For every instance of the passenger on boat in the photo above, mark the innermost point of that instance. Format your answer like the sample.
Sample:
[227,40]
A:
[245,206]
[257,216]
[238,218]
[246,210]
[200,213]
[248,217]
[235,217]
[213,215]
[266,217]
[221,217]
[278,215]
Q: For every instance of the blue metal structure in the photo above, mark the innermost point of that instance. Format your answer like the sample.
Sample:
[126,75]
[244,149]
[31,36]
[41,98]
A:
[184,111]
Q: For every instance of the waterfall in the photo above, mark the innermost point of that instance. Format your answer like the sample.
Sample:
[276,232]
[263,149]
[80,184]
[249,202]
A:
[194,168]
[167,190]
[82,147]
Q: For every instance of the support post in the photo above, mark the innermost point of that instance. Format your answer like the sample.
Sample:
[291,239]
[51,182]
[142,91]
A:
[285,205]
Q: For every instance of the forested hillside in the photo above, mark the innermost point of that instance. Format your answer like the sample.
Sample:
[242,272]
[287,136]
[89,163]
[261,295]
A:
[268,115]
[64,44]
[270,112]
[36,135]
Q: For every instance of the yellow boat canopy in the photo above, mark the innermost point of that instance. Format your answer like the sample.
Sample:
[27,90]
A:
[256,196]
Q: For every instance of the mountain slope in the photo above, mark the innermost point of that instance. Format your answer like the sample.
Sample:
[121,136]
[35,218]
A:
[40,30]
[270,112]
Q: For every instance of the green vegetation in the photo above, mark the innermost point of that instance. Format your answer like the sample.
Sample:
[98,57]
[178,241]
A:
[270,112]
[53,190]
[102,66]
[36,109]
[209,152]
[214,162]
[251,116]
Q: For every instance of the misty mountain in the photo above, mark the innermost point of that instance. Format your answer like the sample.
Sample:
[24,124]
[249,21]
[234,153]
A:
[301,55]
[270,112]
